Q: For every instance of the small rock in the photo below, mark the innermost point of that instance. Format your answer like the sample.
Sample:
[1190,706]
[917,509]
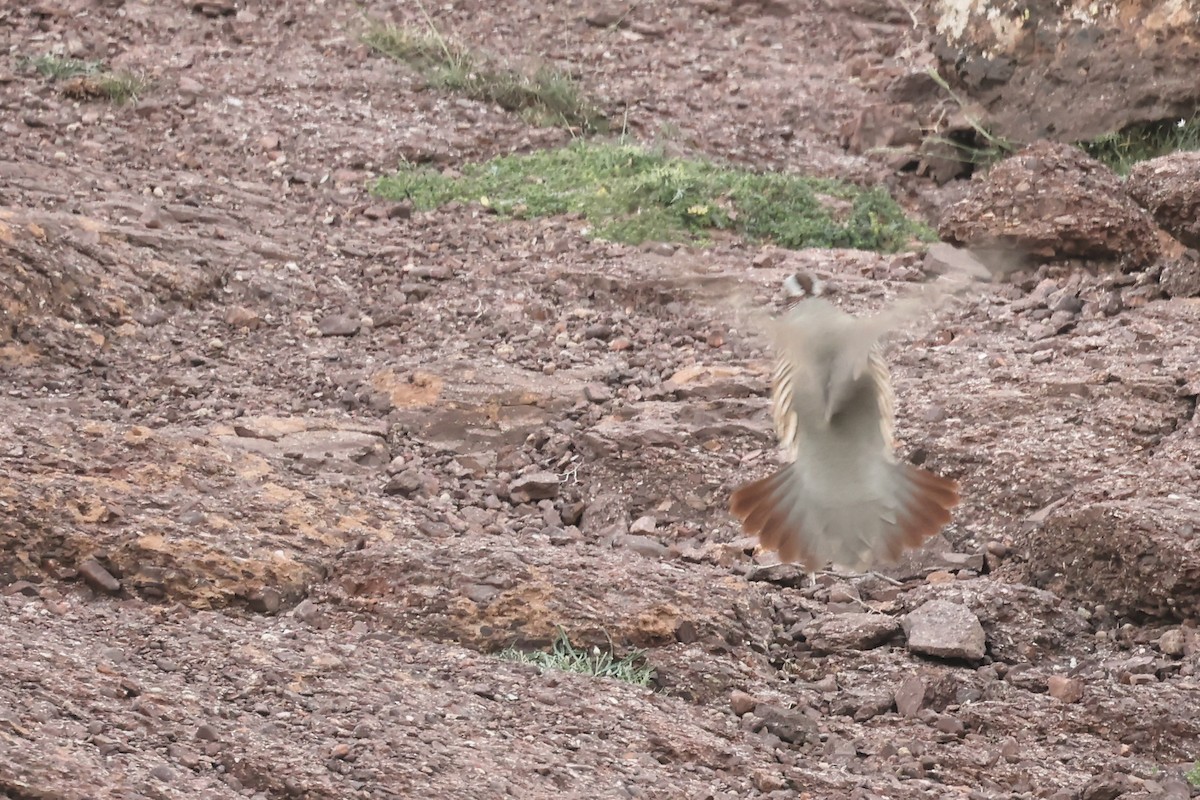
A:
[163,773]
[910,696]
[190,87]
[534,486]
[339,325]
[945,630]
[267,601]
[1106,787]
[949,724]
[598,331]
[597,393]
[22,587]
[242,317]
[620,343]
[207,733]
[98,577]
[834,633]
[1171,643]
[768,781]
[643,525]
[1068,690]
[406,484]
[789,724]
[741,702]
[646,546]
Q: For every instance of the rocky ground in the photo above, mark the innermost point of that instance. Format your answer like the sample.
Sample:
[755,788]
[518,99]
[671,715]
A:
[283,467]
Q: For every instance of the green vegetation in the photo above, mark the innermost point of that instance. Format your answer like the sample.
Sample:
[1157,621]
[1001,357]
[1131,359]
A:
[547,97]
[567,658]
[630,194]
[119,87]
[1193,774]
[87,79]
[1120,151]
[980,147]
[58,68]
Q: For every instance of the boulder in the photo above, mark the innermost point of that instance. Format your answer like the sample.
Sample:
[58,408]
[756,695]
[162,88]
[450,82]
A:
[1052,202]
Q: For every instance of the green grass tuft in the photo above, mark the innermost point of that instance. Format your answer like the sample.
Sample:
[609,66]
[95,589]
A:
[566,657]
[59,68]
[1193,774]
[546,97]
[120,87]
[86,79]
[630,194]
[1120,151]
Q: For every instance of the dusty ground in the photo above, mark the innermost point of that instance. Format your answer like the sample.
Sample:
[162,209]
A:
[307,432]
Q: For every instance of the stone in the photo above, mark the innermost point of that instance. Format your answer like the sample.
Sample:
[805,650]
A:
[339,325]
[1171,643]
[534,486]
[791,725]
[945,630]
[834,633]
[910,696]
[1051,202]
[644,525]
[1105,549]
[1181,275]
[1068,690]
[596,392]
[645,546]
[1169,188]
[96,576]
[741,702]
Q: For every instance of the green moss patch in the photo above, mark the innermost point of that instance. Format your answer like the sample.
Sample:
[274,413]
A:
[630,194]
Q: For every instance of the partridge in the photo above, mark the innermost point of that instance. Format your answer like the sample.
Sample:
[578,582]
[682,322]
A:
[844,498]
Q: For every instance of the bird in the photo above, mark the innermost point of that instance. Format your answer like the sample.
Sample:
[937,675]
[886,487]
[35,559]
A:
[844,497]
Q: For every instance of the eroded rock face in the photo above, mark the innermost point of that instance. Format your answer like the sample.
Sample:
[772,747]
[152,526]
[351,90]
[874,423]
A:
[1052,201]
[1073,70]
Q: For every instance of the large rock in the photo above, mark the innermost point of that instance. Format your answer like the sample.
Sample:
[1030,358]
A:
[1135,556]
[1169,188]
[1052,201]
[1070,70]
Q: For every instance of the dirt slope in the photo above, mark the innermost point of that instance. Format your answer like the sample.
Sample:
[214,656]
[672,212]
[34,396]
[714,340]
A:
[272,452]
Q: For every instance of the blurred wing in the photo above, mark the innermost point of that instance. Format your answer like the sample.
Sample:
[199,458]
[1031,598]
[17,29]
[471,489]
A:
[884,395]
